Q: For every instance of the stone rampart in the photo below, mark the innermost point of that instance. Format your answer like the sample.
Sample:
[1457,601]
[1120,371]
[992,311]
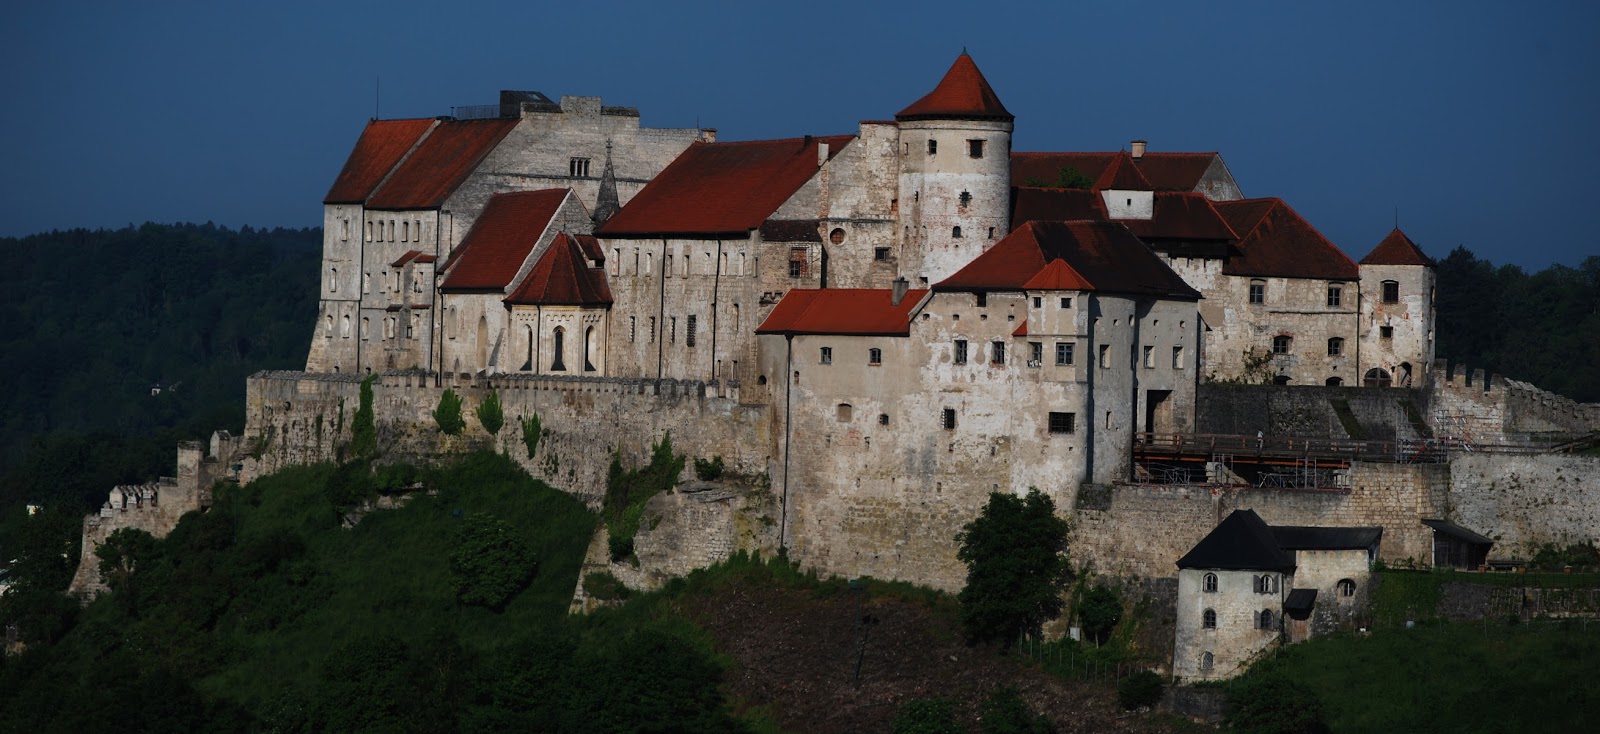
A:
[1490,409]
[1523,502]
[1310,411]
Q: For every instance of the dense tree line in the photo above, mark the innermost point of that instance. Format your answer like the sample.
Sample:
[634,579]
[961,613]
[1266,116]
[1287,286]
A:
[1542,327]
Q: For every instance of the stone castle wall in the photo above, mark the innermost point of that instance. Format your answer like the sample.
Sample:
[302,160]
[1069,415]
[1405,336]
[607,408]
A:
[1488,408]
[1526,501]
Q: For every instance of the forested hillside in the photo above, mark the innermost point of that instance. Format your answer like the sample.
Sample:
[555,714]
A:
[96,319]
[1542,327]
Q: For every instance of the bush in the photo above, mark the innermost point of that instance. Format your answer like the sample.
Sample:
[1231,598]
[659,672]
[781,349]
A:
[1140,690]
[708,470]
[604,586]
[1099,611]
[1274,706]
[364,430]
[627,491]
[530,433]
[1004,712]
[927,716]
[1016,557]
[349,485]
[490,414]
[489,562]
[448,414]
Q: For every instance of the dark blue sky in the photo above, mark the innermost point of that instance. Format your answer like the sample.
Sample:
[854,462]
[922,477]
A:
[1475,120]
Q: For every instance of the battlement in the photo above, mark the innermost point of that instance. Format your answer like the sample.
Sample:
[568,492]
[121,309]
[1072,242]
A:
[1491,408]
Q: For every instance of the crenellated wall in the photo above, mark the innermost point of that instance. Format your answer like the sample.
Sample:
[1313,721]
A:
[1488,408]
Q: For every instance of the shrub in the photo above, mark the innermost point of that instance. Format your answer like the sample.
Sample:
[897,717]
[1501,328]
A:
[1016,557]
[364,430]
[627,491]
[1274,706]
[490,414]
[708,470]
[349,485]
[1140,690]
[927,716]
[530,433]
[1099,611]
[604,586]
[489,562]
[448,414]
[1004,712]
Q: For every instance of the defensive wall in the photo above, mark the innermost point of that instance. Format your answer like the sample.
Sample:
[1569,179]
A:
[1487,408]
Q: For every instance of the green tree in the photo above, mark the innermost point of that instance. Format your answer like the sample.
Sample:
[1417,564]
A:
[1004,712]
[927,716]
[489,562]
[125,552]
[1099,610]
[1016,557]
[448,414]
[530,433]
[364,429]
[490,414]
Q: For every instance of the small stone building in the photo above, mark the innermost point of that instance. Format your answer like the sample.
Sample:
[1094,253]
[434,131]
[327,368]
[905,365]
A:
[1248,587]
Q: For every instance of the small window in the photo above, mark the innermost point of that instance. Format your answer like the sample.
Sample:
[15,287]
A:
[1264,621]
[1280,344]
[961,351]
[1335,294]
[844,412]
[997,353]
[652,329]
[874,356]
[836,236]
[672,329]
[1386,332]
[880,253]
[1206,660]
[1066,303]
[1064,353]
[1210,583]
[1105,356]
[1347,587]
[955,233]
[826,356]
[933,146]
[1035,354]
[1334,382]
[1149,357]
[1335,346]
[1063,422]
[1038,302]
[633,328]
[690,328]
[1177,358]
[578,167]
[1391,291]
[1258,291]
[974,148]
[949,419]
[966,198]
[883,419]
[1266,584]
[1208,619]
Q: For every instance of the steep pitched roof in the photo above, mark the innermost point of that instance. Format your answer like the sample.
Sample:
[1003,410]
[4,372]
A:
[1057,276]
[1182,215]
[790,230]
[1397,249]
[963,94]
[381,145]
[440,163]
[1276,241]
[722,188]
[1164,171]
[413,256]
[1122,174]
[1030,204]
[1241,542]
[1105,255]
[845,311]
[1301,537]
[563,278]
[499,242]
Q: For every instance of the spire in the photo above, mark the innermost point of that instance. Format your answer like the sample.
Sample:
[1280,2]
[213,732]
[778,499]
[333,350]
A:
[963,94]
[606,203]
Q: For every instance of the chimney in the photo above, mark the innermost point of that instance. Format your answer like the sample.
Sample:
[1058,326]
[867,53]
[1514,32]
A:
[900,286]
[708,135]
[1137,148]
[822,153]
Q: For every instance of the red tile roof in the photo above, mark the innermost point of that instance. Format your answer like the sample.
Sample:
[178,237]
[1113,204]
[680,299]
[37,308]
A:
[1397,249]
[722,188]
[1164,171]
[847,311]
[1057,276]
[1104,255]
[1055,205]
[499,242]
[1177,215]
[562,278]
[791,230]
[413,256]
[1277,242]
[381,145]
[1022,329]
[1123,174]
[591,247]
[963,94]
[433,171]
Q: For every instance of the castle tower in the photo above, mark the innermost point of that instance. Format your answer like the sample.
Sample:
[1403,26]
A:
[955,174]
[1397,312]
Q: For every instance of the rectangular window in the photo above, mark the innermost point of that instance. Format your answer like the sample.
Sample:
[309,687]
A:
[1391,291]
[1258,291]
[826,356]
[1064,353]
[1063,422]
[578,167]
[983,300]
[874,356]
[949,419]
[880,253]
[672,330]
[1177,358]
[961,351]
[933,147]
[797,262]
[997,355]
[633,328]
[689,329]
[974,148]
[1149,357]
[1335,347]
[666,266]
[1386,332]
[1035,354]
[1335,294]
[1105,355]
[344,229]
[1037,302]
[652,329]
[1066,303]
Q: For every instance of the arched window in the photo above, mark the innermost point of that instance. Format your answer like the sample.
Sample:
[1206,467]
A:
[1208,619]
[333,280]
[1280,380]
[483,342]
[874,356]
[1376,377]
[527,365]
[588,349]
[557,346]
[405,231]
[1334,382]
[1210,584]
[1264,620]
[344,326]
[1206,660]
[366,282]
[955,232]
[366,327]
[1281,344]
[844,412]
[1347,587]
[1335,346]
[328,326]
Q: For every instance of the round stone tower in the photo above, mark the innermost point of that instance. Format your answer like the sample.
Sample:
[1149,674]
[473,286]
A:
[955,174]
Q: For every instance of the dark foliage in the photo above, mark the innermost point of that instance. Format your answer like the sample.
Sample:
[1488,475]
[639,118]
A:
[489,562]
[927,716]
[627,491]
[363,428]
[1004,712]
[708,470]
[1099,610]
[1274,706]
[1140,690]
[490,415]
[1016,556]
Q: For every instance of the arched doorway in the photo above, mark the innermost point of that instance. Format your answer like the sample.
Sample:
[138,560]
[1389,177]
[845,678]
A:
[1377,377]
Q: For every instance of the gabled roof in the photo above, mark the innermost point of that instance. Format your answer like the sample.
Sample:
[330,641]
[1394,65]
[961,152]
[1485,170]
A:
[1300,537]
[1122,174]
[416,256]
[1164,171]
[1057,276]
[963,94]
[440,163]
[563,278]
[722,188]
[1241,542]
[381,145]
[1397,249]
[844,311]
[1104,255]
[499,242]
[1276,241]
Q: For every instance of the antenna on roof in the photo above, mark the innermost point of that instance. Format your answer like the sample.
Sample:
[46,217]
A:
[377,91]
[1397,217]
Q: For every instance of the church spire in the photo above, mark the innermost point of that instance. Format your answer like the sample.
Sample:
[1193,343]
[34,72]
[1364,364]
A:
[606,203]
